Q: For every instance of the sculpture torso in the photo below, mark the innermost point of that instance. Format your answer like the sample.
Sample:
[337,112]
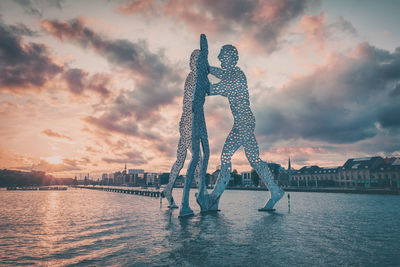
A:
[185,125]
[202,84]
[234,86]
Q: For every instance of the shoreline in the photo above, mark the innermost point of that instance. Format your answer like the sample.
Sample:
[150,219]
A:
[332,190]
[374,191]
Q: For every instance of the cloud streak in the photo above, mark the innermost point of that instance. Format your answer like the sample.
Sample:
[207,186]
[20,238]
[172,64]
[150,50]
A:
[51,133]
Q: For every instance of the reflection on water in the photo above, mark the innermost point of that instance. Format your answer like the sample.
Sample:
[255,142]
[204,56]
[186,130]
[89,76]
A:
[85,227]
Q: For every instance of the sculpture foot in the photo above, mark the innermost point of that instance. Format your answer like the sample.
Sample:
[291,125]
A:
[184,212]
[214,203]
[263,209]
[208,202]
[201,199]
[168,195]
[276,195]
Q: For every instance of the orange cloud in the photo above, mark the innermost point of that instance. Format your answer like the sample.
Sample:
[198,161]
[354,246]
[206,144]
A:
[51,133]
[314,27]
[148,7]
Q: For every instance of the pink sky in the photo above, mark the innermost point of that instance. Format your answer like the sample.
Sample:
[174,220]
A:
[88,86]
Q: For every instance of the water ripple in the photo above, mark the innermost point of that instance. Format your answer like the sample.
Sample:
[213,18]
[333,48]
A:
[85,227]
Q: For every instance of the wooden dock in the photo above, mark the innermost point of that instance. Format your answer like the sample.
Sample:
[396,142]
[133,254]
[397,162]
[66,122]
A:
[140,192]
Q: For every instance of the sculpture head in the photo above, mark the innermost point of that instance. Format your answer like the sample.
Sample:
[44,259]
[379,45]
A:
[228,56]
[193,59]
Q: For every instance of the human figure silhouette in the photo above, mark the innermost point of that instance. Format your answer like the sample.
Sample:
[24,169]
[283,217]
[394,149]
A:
[199,129]
[185,131]
[233,85]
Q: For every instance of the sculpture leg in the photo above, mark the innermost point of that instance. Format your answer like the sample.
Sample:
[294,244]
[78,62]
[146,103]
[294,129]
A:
[201,195]
[185,210]
[232,144]
[197,171]
[261,167]
[176,168]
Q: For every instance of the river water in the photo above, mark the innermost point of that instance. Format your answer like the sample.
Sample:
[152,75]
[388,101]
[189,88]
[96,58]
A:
[89,227]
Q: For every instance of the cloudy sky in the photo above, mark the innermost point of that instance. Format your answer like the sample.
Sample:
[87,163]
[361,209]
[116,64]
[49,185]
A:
[86,86]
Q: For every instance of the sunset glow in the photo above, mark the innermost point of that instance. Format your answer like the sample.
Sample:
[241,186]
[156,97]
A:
[87,86]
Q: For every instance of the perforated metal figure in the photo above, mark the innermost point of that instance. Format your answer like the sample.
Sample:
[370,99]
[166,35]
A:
[185,131]
[233,85]
[199,129]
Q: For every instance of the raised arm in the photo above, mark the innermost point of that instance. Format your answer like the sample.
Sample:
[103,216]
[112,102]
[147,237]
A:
[218,89]
[217,72]
[203,44]
[204,57]
[204,50]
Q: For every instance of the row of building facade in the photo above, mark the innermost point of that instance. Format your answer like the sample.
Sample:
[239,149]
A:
[370,172]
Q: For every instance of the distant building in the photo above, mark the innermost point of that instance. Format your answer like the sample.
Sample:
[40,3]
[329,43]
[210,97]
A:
[180,180]
[246,179]
[315,176]
[164,178]
[140,179]
[375,172]
[151,178]
[135,171]
[214,176]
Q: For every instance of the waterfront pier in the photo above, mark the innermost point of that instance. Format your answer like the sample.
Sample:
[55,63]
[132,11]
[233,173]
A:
[140,192]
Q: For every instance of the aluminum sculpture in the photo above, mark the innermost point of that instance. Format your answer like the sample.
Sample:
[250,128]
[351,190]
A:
[193,130]
[233,85]
[199,129]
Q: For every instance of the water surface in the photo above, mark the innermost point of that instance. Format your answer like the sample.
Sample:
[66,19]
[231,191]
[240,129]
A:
[88,227]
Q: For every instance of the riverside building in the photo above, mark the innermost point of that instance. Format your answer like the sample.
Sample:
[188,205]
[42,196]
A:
[368,172]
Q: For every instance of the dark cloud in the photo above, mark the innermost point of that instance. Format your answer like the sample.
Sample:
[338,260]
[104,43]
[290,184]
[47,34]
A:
[344,25]
[389,115]
[259,23]
[111,124]
[51,133]
[346,101]
[30,66]
[78,80]
[36,8]
[29,7]
[74,79]
[23,66]
[21,29]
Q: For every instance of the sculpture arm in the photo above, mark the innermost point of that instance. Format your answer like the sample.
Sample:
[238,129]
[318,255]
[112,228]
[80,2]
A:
[217,72]
[218,89]
[204,50]
[203,45]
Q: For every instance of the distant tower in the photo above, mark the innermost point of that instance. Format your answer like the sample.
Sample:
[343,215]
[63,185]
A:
[125,168]
[289,167]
